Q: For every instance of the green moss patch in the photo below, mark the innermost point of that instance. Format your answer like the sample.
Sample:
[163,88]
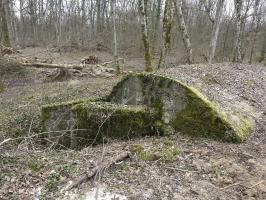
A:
[165,153]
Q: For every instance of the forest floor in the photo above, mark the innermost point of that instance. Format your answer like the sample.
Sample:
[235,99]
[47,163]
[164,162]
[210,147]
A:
[200,169]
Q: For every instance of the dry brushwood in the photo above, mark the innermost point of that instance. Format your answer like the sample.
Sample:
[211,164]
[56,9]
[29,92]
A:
[61,74]
[7,50]
[97,170]
[92,59]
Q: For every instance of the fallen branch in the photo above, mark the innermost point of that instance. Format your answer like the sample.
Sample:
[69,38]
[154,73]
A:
[5,141]
[182,170]
[96,170]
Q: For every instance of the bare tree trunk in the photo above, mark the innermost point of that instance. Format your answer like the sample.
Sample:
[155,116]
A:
[256,21]
[263,49]
[167,25]
[98,16]
[237,47]
[183,29]
[9,18]
[113,11]
[244,36]
[3,18]
[33,20]
[13,22]
[157,22]
[22,21]
[59,20]
[216,28]
[144,30]
[92,18]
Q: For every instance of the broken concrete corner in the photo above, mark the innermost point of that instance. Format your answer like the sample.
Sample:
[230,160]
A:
[143,104]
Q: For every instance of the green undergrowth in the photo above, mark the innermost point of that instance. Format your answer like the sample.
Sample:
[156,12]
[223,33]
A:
[165,152]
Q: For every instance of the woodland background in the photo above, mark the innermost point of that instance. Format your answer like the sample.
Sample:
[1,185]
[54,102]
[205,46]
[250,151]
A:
[236,30]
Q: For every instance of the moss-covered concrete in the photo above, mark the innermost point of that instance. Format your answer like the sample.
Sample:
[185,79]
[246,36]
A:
[143,104]
[78,124]
[184,108]
[105,119]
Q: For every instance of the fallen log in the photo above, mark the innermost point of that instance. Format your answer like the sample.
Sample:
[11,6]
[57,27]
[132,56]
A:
[97,170]
[68,66]
[52,66]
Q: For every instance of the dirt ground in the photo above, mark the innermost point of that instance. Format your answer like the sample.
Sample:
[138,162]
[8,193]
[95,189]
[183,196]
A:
[201,168]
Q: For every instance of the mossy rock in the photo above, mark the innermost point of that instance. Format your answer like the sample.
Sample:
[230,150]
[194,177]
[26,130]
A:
[182,107]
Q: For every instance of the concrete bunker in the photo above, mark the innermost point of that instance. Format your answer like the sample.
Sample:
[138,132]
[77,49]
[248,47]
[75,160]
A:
[143,104]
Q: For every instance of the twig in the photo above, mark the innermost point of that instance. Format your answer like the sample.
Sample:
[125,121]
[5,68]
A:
[98,169]
[5,141]
[248,187]
[38,134]
[232,185]
[256,184]
[182,170]
[29,133]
